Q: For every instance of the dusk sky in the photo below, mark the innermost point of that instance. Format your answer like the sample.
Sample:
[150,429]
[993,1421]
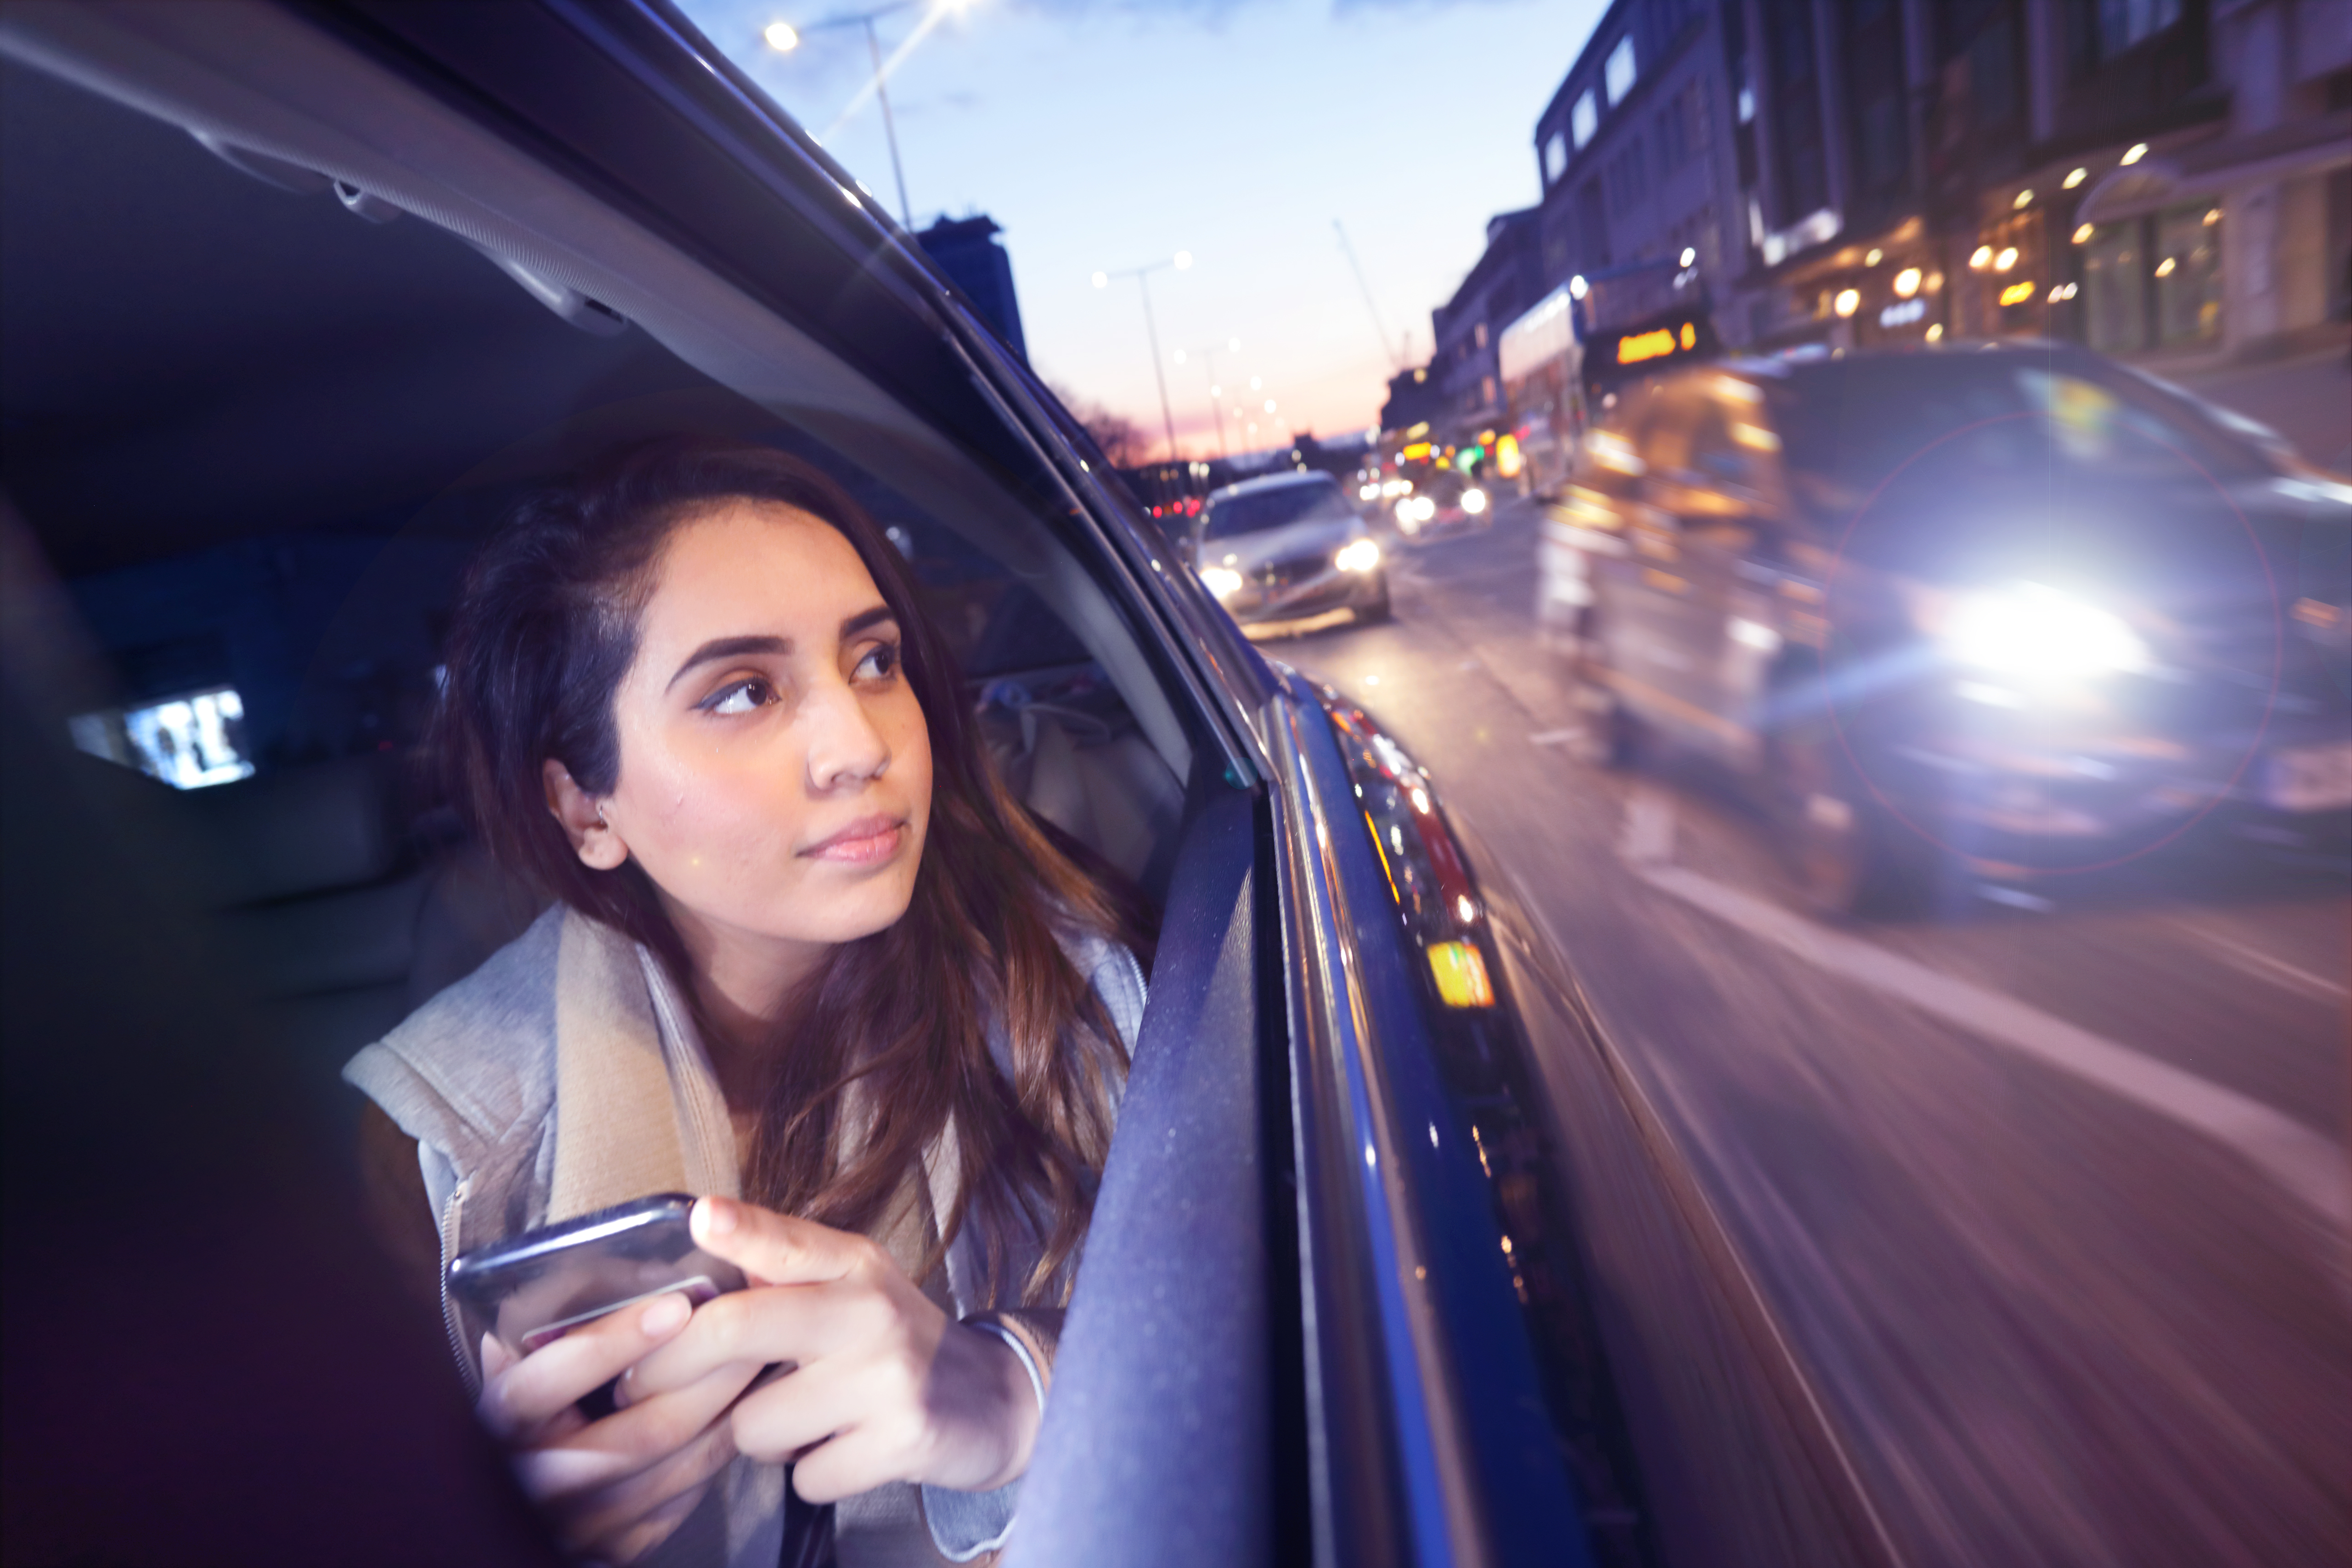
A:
[1106,135]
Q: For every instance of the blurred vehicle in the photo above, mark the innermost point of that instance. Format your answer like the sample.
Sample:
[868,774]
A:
[1287,547]
[1443,501]
[2015,610]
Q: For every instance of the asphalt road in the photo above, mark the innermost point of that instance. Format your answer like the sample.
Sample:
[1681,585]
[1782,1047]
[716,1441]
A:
[2052,1201]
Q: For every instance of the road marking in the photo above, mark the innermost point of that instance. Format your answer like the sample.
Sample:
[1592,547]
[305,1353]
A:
[2307,1163]
[1554,737]
[2278,971]
[1648,838]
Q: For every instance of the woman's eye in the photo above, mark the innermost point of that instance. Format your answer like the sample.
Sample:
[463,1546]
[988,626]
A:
[880,663]
[741,697]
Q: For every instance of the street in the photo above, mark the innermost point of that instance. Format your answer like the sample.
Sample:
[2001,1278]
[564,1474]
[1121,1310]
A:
[2050,1202]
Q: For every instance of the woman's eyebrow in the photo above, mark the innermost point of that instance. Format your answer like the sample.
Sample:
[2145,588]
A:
[730,647]
[865,618]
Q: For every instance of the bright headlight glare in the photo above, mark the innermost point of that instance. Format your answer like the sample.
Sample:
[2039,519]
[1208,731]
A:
[1358,556]
[1423,509]
[1474,501]
[1222,580]
[2036,632]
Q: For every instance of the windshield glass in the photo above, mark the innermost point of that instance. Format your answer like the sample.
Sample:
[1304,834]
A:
[1852,424]
[1255,511]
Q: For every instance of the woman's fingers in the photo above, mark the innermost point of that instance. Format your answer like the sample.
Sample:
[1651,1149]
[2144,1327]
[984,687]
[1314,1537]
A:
[858,1461]
[775,1250]
[621,1522]
[639,1439]
[764,1326]
[518,1401]
[775,1423]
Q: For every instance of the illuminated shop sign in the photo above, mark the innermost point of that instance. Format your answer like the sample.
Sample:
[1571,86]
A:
[1903,314]
[2017,293]
[1657,343]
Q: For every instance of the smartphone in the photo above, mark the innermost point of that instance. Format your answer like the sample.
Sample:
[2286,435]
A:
[541,1286]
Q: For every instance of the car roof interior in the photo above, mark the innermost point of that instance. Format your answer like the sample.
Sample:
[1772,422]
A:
[255,425]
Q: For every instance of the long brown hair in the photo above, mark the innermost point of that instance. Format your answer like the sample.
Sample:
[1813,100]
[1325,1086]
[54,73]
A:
[545,629]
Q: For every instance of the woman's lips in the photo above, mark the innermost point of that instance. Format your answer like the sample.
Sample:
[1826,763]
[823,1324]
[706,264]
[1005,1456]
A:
[863,842]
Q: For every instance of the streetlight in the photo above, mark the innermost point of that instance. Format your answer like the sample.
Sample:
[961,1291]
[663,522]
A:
[1179,261]
[1216,392]
[783,37]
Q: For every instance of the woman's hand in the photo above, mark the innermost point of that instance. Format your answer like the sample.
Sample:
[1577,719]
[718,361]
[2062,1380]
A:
[615,1487]
[886,1386]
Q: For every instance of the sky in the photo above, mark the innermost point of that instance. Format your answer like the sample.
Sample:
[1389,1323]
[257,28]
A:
[1104,135]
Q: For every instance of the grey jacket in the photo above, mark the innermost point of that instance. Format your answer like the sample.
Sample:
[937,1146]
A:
[565,1075]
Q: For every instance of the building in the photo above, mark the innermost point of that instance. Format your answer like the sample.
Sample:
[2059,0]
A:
[1635,150]
[2154,179]
[965,248]
[1505,279]
[2157,178]
[2230,234]
[1414,398]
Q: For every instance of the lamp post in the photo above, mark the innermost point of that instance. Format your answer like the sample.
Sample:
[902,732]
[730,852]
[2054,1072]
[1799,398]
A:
[1216,408]
[1142,275]
[783,37]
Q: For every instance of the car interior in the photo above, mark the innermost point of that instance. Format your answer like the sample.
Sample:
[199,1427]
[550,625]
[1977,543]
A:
[256,419]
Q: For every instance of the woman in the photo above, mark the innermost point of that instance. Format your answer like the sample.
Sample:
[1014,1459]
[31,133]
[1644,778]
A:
[805,957]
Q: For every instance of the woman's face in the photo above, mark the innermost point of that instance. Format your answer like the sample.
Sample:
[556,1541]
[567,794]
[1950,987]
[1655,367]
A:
[775,777]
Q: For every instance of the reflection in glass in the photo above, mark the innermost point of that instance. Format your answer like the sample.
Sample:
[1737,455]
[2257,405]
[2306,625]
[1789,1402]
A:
[2189,274]
[2113,289]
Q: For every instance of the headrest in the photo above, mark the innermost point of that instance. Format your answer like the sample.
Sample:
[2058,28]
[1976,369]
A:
[300,830]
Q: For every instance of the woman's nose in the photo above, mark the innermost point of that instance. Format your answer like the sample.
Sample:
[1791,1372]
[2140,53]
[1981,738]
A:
[845,747]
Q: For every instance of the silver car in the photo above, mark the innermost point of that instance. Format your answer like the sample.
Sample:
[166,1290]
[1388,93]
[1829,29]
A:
[1288,548]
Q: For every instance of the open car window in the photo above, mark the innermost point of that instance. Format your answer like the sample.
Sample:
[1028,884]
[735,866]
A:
[258,420]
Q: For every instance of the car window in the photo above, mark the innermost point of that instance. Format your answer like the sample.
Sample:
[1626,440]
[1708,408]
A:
[1668,422]
[1715,453]
[1255,511]
[1850,425]
[268,582]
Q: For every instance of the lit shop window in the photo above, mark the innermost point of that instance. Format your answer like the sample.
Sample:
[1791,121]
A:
[187,742]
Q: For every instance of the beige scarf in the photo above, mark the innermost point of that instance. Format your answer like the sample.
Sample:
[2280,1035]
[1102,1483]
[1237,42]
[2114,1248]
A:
[637,1105]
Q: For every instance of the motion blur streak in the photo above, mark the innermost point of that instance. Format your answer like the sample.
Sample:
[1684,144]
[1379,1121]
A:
[2306,1164]
[2048,1193]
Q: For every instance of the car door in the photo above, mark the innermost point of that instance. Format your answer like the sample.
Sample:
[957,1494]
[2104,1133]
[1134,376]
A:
[1725,537]
[1658,637]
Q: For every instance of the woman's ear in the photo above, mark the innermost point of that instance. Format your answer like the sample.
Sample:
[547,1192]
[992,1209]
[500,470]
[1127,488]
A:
[593,839]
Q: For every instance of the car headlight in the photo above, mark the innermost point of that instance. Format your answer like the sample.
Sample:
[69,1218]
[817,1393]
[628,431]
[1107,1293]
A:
[1423,509]
[1367,492]
[1474,501]
[1358,556]
[2038,633]
[1222,580]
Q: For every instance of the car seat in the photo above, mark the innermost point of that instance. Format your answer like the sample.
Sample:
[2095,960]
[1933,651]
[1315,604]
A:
[341,919]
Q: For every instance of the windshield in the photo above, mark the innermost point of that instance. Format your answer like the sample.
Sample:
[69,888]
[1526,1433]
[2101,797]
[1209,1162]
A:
[1850,425]
[1255,512]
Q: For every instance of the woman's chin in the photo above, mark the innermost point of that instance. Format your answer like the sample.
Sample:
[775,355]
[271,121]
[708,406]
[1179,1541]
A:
[857,902]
